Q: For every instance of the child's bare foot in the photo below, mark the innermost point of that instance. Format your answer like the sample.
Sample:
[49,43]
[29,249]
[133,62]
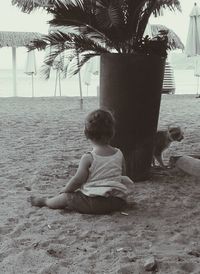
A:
[40,202]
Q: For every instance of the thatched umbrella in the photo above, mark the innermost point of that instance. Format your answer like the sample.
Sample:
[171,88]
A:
[14,40]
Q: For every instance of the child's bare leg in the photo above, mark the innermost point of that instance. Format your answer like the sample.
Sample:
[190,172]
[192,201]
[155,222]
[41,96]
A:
[57,202]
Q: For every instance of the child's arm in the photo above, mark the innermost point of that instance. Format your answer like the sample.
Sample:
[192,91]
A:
[81,175]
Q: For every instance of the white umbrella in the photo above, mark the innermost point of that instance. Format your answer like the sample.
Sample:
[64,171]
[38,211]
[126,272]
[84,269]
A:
[58,66]
[92,67]
[30,68]
[192,48]
[57,82]
[87,75]
[197,71]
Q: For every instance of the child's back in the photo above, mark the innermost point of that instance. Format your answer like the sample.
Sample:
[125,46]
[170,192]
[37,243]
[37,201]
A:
[105,175]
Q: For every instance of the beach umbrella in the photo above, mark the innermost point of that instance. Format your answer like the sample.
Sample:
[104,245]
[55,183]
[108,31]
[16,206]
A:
[58,65]
[197,72]
[87,75]
[30,68]
[192,48]
[14,40]
[57,82]
[92,67]
[80,84]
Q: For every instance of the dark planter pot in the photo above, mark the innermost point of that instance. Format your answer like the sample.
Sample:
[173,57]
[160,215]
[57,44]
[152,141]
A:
[130,86]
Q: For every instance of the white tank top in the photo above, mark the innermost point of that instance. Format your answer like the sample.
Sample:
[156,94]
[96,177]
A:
[105,176]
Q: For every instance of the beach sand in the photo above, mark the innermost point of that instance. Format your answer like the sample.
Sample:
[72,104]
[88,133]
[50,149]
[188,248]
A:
[41,142]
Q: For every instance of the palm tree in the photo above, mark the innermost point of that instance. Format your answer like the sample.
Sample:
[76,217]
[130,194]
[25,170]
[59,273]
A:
[89,28]
[132,66]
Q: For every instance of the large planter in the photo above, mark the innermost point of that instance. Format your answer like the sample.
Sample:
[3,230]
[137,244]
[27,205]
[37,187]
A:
[130,86]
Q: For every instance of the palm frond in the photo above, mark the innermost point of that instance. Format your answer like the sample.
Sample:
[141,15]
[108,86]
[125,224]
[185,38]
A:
[144,17]
[109,14]
[70,43]
[29,5]
[78,61]
[99,26]
[163,4]
[83,42]
[60,62]
[67,12]
[174,42]
[137,13]
[53,55]
[134,13]
[65,70]
[46,71]
[39,44]
[156,7]
[75,14]
[158,45]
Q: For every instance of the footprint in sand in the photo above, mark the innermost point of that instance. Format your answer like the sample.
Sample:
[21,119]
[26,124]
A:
[19,229]
[57,250]
[187,267]
[8,227]
[57,268]
[179,238]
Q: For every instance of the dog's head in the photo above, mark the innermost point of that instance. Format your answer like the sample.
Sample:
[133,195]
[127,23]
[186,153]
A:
[175,134]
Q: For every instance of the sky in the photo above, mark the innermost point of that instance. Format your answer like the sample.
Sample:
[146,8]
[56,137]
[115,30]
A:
[12,19]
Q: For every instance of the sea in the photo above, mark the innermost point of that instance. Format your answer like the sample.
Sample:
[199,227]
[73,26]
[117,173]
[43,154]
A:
[185,83]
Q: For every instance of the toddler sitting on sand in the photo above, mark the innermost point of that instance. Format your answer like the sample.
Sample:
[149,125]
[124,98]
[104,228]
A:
[99,185]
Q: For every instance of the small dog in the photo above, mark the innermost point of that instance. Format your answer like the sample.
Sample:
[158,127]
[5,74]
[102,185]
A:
[163,140]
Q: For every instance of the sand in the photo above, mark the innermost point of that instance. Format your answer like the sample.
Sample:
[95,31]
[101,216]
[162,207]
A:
[41,142]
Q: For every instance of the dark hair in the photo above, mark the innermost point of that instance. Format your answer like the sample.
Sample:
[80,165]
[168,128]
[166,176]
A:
[99,126]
